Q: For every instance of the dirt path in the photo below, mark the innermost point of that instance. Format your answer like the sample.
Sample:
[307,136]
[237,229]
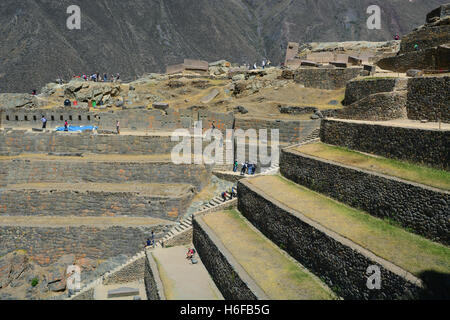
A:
[183,280]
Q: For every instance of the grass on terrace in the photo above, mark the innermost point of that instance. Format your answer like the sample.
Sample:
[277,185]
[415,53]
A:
[276,274]
[406,250]
[404,170]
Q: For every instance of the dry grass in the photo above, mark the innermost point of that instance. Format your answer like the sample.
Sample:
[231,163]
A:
[99,222]
[411,172]
[407,250]
[149,189]
[278,276]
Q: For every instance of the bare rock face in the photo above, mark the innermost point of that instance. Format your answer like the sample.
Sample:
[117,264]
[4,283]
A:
[160,33]
[13,269]
[17,100]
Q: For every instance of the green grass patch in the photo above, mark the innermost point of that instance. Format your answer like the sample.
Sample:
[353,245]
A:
[407,250]
[400,169]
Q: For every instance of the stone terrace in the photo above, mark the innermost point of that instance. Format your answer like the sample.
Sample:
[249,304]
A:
[338,243]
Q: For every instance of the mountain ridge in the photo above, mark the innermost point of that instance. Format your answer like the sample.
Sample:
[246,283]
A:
[142,36]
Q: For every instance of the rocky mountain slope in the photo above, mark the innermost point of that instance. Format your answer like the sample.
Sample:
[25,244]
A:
[133,37]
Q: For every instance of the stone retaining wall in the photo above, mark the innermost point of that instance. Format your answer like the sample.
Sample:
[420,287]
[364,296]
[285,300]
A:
[429,147]
[139,119]
[425,37]
[326,78]
[18,142]
[290,131]
[19,171]
[341,264]
[47,244]
[88,295]
[153,284]
[428,59]
[428,98]
[133,272]
[358,89]
[231,279]
[31,202]
[31,118]
[377,107]
[423,209]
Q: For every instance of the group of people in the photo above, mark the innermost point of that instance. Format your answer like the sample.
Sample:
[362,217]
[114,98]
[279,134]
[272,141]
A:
[150,241]
[247,168]
[265,63]
[231,193]
[97,77]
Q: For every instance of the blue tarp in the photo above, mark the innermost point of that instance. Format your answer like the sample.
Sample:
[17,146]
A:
[76,128]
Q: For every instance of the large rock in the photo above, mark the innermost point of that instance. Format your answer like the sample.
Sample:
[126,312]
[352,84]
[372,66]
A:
[13,267]
[17,100]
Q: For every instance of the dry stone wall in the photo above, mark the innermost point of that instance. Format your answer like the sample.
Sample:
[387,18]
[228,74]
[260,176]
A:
[55,202]
[232,281]
[423,209]
[19,171]
[133,272]
[46,245]
[17,142]
[377,107]
[428,147]
[326,78]
[340,266]
[358,89]
[290,131]
[429,98]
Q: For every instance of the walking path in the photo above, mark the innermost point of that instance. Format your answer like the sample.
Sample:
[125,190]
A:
[183,280]
[101,291]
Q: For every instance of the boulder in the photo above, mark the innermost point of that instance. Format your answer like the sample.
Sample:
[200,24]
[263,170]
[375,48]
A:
[238,77]
[414,73]
[210,97]
[240,109]
[161,106]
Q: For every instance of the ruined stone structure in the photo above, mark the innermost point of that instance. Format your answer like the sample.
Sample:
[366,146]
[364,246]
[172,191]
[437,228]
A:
[326,78]
[379,99]
[426,47]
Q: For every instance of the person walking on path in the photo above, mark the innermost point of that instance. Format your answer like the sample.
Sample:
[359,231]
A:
[66,126]
[44,122]
[118,126]
[235,166]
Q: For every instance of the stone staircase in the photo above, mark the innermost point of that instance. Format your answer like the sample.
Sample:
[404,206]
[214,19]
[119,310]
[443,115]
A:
[99,280]
[181,227]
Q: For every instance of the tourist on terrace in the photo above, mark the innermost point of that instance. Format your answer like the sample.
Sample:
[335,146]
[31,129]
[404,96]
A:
[224,196]
[244,169]
[235,166]
[118,126]
[44,122]
[66,126]
[234,192]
